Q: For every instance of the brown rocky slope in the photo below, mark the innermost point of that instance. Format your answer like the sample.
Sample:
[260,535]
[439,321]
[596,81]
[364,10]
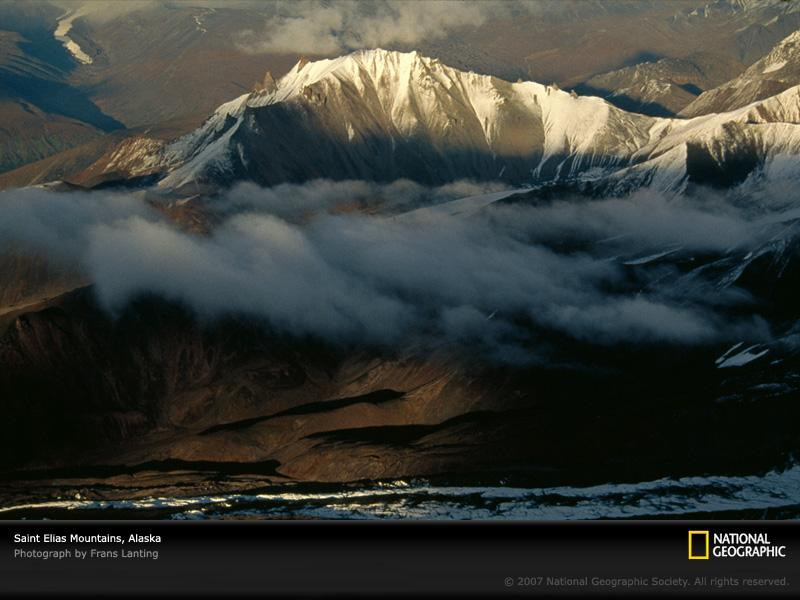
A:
[156,390]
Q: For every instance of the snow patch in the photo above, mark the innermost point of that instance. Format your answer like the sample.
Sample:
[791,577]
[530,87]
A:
[740,359]
[61,34]
[461,206]
[650,258]
[774,67]
[199,24]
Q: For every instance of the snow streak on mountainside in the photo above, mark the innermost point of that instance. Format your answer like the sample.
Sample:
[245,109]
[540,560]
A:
[382,115]
[774,73]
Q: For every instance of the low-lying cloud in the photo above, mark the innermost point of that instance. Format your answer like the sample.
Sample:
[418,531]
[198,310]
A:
[302,259]
[319,27]
[60,224]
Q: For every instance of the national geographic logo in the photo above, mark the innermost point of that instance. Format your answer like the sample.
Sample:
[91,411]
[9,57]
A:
[698,545]
[703,545]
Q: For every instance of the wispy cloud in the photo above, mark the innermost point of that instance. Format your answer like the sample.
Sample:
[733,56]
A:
[496,279]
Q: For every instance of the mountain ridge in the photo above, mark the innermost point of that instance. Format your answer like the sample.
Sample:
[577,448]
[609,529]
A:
[530,124]
[777,71]
[384,115]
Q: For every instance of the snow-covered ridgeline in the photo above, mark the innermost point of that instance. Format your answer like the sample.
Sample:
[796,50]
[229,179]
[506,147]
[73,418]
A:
[549,133]
[407,95]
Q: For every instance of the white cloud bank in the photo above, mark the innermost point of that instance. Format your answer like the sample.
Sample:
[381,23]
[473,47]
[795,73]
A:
[497,278]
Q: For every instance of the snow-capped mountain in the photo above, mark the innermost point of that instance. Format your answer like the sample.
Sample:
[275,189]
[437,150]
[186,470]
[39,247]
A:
[383,115]
[740,147]
[772,74]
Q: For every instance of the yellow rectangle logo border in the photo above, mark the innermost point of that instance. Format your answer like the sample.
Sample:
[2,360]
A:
[698,557]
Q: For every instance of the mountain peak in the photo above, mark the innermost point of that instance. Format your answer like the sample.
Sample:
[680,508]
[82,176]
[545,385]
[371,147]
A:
[389,114]
[307,72]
